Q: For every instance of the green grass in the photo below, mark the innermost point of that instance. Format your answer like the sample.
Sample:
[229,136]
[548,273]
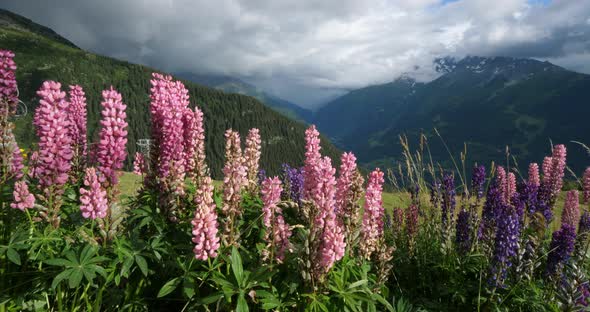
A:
[130,184]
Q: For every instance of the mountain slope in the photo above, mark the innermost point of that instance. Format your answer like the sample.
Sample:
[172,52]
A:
[42,58]
[234,85]
[489,103]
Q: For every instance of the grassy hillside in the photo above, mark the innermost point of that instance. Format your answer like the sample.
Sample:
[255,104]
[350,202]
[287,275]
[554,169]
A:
[42,58]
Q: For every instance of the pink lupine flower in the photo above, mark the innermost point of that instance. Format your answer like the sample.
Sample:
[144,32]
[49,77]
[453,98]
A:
[77,116]
[313,157]
[345,180]
[235,178]
[554,169]
[204,223]
[252,155]
[534,174]
[586,183]
[112,146]
[233,148]
[332,244]
[139,164]
[194,139]
[8,86]
[93,197]
[326,191]
[510,186]
[507,183]
[233,181]
[546,168]
[502,181]
[55,144]
[169,101]
[17,163]
[172,147]
[200,164]
[571,209]
[373,214]
[23,199]
[33,161]
[277,231]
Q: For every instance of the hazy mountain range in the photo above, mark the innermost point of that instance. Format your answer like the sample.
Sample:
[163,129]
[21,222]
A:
[486,102]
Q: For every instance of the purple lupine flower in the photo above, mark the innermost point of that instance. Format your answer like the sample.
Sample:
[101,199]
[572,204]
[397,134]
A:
[448,199]
[561,248]
[584,225]
[506,244]
[435,194]
[519,205]
[412,221]
[387,221]
[584,295]
[463,232]
[586,184]
[544,199]
[293,180]
[528,193]
[490,209]
[478,179]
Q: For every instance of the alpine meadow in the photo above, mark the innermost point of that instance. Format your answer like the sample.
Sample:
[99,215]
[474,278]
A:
[133,178]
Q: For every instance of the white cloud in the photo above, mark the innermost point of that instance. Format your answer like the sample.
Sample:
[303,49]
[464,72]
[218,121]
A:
[305,49]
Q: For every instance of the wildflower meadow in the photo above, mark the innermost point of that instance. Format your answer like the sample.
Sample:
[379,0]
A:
[315,237]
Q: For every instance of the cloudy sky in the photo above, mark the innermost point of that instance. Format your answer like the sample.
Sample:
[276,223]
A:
[309,50]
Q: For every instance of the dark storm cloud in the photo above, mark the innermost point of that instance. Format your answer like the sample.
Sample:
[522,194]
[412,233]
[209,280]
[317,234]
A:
[307,50]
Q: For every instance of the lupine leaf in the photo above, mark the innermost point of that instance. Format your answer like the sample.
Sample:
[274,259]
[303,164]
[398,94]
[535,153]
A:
[236,265]
[60,277]
[13,256]
[142,264]
[242,304]
[169,287]
[60,262]
[75,278]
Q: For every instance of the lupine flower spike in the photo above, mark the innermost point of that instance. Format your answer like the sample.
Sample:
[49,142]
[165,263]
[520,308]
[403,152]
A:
[77,117]
[23,199]
[534,178]
[372,228]
[8,86]
[93,197]
[252,157]
[277,231]
[112,145]
[586,184]
[139,164]
[204,223]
